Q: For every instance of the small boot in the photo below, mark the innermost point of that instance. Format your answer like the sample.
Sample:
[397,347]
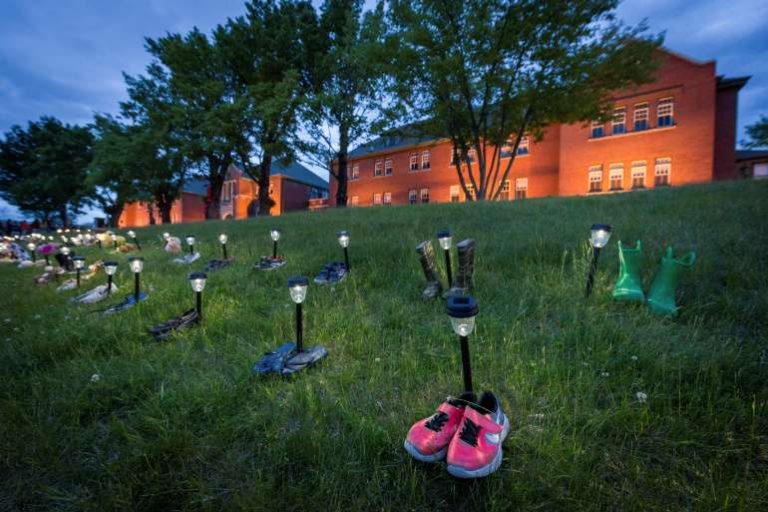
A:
[462,282]
[427,258]
[661,296]
[629,287]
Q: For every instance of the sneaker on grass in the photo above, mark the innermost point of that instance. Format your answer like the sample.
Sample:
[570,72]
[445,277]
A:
[428,438]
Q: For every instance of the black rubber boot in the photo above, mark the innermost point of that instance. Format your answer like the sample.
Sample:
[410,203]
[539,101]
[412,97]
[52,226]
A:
[462,283]
[429,266]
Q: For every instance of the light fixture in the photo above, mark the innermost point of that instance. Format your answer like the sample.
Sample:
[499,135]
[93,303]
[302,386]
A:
[297,286]
[223,242]
[344,243]
[79,262]
[462,309]
[191,244]
[65,253]
[275,234]
[598,238]
[197,280]
[31,247]
[137,265]
[166,236]
[444,239]
[132,236]
[110,268]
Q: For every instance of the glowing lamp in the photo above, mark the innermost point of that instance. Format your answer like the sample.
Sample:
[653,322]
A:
[79,263]
[197,281]
[598,238]
[297,286]
[462,311]
[223,241]
[110,268]
[275,234]
[444,239]
[31,247]
[137,265]
[343,237]
[191,244]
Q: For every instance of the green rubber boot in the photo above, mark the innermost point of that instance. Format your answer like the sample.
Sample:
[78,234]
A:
[661,296]
[629,287]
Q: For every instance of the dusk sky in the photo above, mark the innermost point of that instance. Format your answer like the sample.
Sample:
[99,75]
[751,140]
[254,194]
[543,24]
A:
[66,57]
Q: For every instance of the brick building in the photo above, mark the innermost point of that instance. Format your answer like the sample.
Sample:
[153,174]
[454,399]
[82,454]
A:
[292,187]
[677,130]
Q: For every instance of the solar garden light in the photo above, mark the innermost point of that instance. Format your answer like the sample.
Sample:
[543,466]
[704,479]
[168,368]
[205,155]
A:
[98,241]
[599,237]
[114,240]
[344,243]
[166,236]
[64,252]
[275,234]
[197,280]
[223,242]
[444,238]
[31,248]
[191,244]
[79,262]
[137,265]
[132,235]
[297,286]
[110,267]
[462,309]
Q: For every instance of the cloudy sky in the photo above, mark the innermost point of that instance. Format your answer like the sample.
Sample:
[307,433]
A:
[66,57]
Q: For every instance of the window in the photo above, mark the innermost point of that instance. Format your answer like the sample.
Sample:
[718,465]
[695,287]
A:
[376,199]
[522,148]
[665,112]
[414,162]
[388,198]
[638,174]
[454,193]
[472,155]
[355,174]
[616,176]
[388,167]
[597,129]
[229,190]
[425,159]
[619,123]
[661,171]
[596,178]
[378,168]
[425,195]
[470,191]
[412,195]
[505,188]
[521,188]
[641,117]
[353,201]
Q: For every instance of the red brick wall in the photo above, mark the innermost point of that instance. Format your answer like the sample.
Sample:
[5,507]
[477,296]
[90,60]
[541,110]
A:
[293,196]
[725,135]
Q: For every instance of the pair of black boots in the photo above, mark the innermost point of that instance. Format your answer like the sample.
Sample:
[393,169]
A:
[462,281]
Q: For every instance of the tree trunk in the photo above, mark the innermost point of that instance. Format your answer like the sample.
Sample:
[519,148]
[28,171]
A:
[341,170]
[64,216]
[165,212]
[114,213]
[265,202]
[151,214]
[217,171]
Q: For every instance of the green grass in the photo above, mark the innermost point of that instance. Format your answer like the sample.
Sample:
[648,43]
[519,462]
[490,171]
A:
[185,425]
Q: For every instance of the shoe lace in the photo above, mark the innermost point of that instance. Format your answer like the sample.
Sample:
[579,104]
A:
[437,421]
[469,432]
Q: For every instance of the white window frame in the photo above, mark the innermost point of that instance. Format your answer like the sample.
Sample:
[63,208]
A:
[662,166]
[388,167]
[387,199]
[619,119]
[378,168]
[413,196]
[354,201]
[594,126]
[355,173]
[377,199]
[639,169]
[616,171]
[413,164]
[424,192]
[595,175]
[521,185]
[642,113]
[454,193]
[471,191]
[426,164]
[524,148]
[665,107]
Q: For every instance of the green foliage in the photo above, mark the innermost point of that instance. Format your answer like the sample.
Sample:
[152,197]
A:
[43,168]
[486,72]
[184,425]
[758,134]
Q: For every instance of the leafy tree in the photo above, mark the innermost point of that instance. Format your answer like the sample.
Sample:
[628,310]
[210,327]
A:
[114,174]
[343,106]
[267,51]
[43,168]
[758,134]
[484,73]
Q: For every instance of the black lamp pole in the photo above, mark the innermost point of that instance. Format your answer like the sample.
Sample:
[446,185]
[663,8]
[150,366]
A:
[346,259]
[136,286]
[462,310]
[465,363]
[109,284]
[136,241]
[77,273]
[199,305]
[448,267]
[299,329]
[592,270]
[274,249]
[224,250]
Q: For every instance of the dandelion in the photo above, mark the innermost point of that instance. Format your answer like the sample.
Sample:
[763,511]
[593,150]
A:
[634,358]
[377,360]
[95,377]
[641,397]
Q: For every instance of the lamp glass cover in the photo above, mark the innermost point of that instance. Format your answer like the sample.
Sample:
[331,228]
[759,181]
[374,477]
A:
[344,238]
[190,240]
[599,236]
[110,267]
[223,238]
[463,326]
[197,280]
[137,265]
[275,234]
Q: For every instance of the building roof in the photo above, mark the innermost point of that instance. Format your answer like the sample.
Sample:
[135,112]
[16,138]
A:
[198,187]
[736,81]
[751,154]
[297,172]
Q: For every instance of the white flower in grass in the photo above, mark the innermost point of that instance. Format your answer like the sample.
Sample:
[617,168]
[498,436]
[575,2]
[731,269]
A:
[605,374]
[634,358]
[377,360]
[7,320]
[95,377]
[641,397]
[38,317]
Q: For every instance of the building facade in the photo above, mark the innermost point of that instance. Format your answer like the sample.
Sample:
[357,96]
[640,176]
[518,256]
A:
[292,187]
[680,129]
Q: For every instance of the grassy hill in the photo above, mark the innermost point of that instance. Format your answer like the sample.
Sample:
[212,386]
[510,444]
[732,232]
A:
[185,425]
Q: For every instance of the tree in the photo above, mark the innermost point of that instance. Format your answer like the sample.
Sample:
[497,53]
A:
[342,108]
[43,168]
[266,52]
[485,73]
[155,144]
[114,174]
[758,134]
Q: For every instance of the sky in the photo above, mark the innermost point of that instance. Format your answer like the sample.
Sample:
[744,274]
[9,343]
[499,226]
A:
[65,58]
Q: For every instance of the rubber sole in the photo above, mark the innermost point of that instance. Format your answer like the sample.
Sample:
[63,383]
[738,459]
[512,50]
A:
[416,454]
[460,472]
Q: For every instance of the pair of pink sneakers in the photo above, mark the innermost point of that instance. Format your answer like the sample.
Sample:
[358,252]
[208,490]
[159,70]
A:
[467,433]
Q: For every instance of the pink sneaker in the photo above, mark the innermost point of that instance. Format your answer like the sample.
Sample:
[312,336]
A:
[428,438]
[475,450]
